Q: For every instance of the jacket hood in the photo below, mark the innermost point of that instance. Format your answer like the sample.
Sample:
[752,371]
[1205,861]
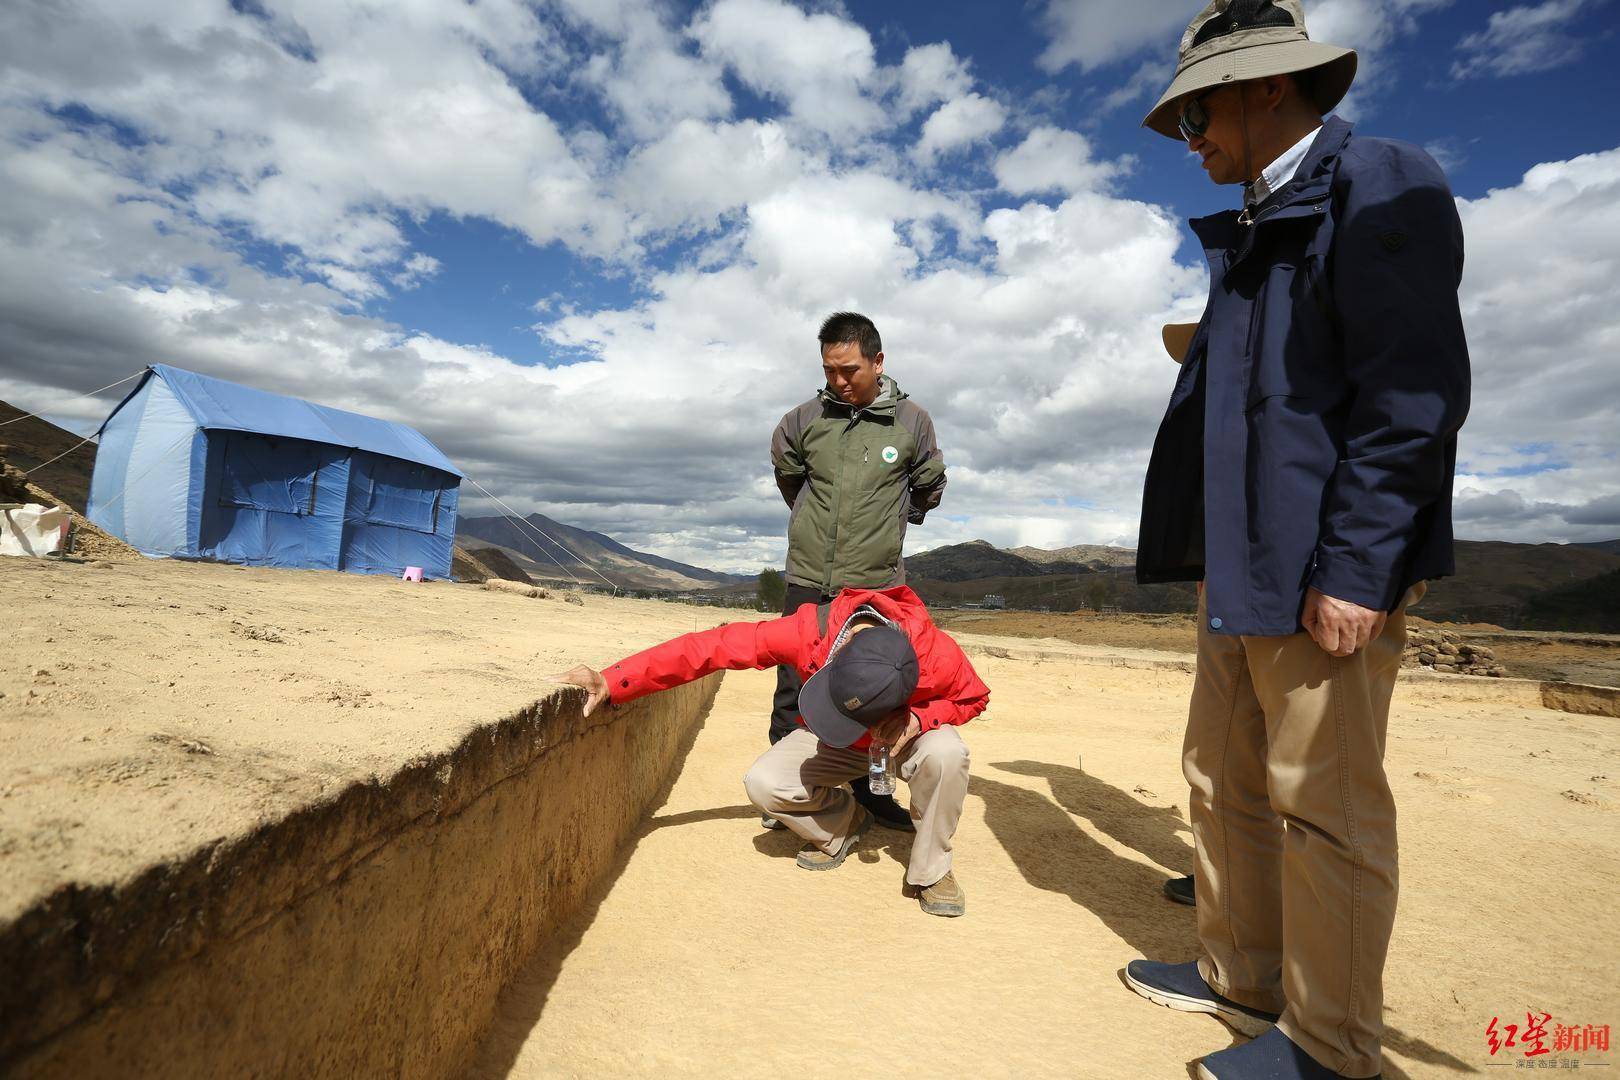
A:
[898,604]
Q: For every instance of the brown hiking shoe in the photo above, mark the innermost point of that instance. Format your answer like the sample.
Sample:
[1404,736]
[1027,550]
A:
[944,897]
[813,858]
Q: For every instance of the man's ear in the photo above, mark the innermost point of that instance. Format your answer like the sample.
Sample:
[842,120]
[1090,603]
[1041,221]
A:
[877,363]
[1273,89]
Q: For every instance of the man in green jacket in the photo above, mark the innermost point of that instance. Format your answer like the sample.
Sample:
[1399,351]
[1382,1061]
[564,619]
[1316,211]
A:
[856,463]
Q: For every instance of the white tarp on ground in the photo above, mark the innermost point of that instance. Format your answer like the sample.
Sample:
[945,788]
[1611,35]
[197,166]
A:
[32,529]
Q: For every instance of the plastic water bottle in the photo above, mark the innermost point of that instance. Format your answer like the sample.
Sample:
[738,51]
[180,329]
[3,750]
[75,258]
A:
[878,777]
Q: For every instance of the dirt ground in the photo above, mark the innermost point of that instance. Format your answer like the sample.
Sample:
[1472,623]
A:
[148,707]
[1578,658]
[712,954]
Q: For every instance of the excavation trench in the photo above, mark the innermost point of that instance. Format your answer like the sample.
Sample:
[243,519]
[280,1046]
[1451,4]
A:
[366,934]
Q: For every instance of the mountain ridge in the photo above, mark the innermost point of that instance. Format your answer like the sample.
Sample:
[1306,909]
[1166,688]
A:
[582,553]
[1497,581]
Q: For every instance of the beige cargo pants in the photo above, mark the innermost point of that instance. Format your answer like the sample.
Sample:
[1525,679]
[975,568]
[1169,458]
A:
[1295,829]
[799,782]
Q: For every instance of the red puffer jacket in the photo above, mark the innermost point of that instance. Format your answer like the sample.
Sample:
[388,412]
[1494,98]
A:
[948,691]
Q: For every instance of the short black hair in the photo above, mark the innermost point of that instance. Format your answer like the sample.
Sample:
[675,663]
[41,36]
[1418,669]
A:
[843,327]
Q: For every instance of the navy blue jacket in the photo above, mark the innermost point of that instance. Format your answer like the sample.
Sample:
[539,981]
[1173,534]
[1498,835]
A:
[1312,434]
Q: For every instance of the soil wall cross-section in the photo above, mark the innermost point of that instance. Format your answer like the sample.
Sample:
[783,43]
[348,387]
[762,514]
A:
[368,934]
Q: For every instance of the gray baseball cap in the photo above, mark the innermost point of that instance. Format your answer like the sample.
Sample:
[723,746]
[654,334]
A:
[1231,41]
[869,679]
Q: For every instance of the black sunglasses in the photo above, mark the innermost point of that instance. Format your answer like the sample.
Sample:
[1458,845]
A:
[1194,118]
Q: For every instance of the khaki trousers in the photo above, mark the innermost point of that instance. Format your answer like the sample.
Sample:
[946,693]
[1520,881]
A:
[798,781]
[1294,824]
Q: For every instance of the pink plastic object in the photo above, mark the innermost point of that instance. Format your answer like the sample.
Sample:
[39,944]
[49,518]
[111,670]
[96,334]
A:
[412,573]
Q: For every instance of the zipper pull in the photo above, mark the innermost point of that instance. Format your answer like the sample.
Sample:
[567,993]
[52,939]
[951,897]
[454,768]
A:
[865,450]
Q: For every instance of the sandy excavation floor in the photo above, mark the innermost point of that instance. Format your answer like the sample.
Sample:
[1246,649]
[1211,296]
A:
[149,707]
[712,954]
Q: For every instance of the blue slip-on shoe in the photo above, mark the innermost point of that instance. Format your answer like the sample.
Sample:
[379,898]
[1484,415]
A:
[1181,987]
[1271,1056]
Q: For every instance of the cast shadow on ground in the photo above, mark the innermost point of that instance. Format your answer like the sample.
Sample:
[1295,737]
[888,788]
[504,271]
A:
[692,817]
[1053,853]
[876,843]
[1416,1049]
[1156,831]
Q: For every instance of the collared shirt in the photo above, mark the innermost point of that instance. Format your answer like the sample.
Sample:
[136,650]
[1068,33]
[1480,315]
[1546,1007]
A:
[1279,172]
[864,611]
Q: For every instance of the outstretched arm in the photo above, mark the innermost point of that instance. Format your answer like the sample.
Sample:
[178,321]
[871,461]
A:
[688,658]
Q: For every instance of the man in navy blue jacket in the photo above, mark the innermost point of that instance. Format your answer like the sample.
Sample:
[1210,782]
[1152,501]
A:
[1302,474]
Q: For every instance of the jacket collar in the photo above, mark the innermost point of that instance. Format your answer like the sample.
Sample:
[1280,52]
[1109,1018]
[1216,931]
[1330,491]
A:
[1311,180]
[888,396]
[1225,237]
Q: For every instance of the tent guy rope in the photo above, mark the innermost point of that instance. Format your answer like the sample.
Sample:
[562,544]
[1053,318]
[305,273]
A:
[536,529]
[60,456]
[92,393]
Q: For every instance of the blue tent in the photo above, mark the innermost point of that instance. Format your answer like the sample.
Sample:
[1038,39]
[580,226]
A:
[200,468]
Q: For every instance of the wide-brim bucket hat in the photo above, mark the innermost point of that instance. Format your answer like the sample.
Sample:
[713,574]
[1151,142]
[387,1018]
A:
[1231,41]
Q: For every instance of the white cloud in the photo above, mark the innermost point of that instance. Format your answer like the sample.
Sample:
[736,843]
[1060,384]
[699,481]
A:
[1541,303]
[1052,159]
[379,113]
[416,269]
[930,74]
[1147,82]
[644,71]
[1095,33]
[700,171]
[957,124]
[817,65]
[1449,153]
[1523,39]
[1369,27]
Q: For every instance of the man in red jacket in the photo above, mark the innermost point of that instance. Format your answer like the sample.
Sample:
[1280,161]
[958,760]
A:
[876,670]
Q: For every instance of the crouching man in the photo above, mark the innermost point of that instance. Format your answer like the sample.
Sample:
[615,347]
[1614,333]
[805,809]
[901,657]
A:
[876,670]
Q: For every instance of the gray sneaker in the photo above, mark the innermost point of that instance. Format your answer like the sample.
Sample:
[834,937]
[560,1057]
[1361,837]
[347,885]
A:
[768,822]
[813,858]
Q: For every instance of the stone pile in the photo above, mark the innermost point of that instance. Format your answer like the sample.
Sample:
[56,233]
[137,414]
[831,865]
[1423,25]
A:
[1445,651]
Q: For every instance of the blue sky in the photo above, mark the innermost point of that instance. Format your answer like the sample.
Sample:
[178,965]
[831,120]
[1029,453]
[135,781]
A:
[1487,131]
[584,245]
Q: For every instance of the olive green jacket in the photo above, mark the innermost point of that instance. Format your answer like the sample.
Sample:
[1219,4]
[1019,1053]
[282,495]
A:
[855,478]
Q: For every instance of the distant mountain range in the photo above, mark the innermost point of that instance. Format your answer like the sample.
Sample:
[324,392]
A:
[548,549]
[1085,577]
[1511,585]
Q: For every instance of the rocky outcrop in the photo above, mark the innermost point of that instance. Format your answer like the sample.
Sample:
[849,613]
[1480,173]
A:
[1446,652]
